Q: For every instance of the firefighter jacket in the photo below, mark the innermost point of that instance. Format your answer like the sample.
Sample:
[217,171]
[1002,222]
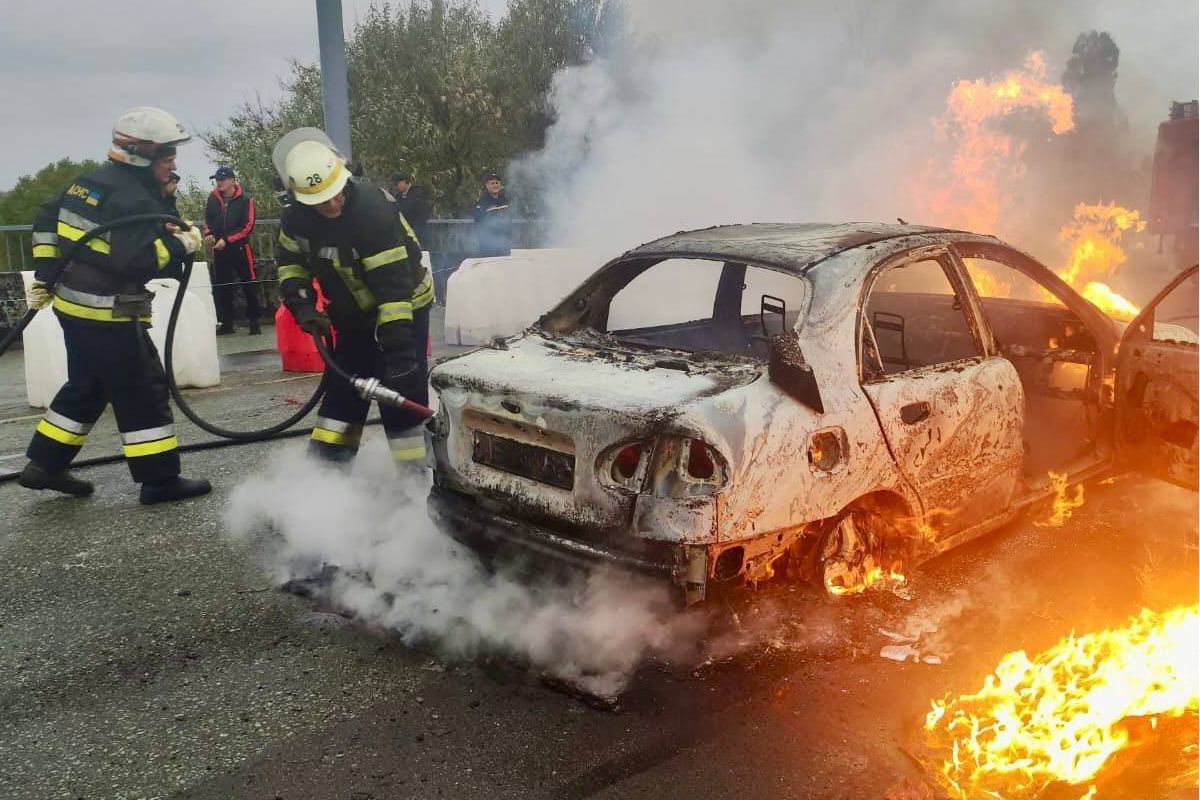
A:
[367,261]
[101,276]
[232,219]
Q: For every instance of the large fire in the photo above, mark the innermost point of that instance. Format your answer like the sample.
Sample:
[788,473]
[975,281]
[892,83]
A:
[972,193]
[986,159]
[1094,239]
[1057,719]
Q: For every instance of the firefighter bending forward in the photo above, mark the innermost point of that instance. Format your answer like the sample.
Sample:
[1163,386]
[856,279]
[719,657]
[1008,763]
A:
[101,301]
[347,234]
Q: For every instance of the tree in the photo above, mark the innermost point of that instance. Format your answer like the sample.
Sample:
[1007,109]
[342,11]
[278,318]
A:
[436,88]
[18,206]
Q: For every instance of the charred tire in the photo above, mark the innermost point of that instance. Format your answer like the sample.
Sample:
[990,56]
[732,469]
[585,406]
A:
[848,546]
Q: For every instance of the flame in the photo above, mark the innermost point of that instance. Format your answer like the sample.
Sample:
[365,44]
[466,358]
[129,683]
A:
[872,576]
[1064,502]
[1094,239]
[986,158]
[1057,718]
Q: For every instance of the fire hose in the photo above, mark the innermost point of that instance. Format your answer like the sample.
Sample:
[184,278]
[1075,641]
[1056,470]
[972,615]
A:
[368,388]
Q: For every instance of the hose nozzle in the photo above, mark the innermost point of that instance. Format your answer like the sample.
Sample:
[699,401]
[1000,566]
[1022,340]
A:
[373,389]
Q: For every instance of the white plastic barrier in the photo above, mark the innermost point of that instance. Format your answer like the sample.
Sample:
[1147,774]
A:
[500,296]
[45,355]
[195,353]
[200,285]
[194,357]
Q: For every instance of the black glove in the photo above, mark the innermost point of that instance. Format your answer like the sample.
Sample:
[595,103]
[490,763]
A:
[311,321]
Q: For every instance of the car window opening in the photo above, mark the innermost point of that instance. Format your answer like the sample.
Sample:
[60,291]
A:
[695,305]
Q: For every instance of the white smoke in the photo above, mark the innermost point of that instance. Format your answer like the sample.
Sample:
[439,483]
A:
[706,112]
[399,572]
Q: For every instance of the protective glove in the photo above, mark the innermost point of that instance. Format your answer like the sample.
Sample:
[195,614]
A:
[39,296]
[311,321]
[190,239]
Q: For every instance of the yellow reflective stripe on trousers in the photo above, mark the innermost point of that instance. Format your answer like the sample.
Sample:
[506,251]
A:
[51,431]
[88,312]
[390,256]
[293,271]
[75,234]
[161,254]
[46,251]
[399,311]
[336,438]
[150,448]
[407,448]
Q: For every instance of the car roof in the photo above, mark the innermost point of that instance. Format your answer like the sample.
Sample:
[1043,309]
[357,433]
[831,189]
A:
[789,246]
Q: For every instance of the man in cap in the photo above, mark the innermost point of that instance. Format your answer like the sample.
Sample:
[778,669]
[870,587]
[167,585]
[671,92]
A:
[228,223]
[493,219]
[413,204]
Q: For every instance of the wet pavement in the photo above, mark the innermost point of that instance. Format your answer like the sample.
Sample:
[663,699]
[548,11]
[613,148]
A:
[144,654]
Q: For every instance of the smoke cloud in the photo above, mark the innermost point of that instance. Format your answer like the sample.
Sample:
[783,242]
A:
[399,572]
[705,112]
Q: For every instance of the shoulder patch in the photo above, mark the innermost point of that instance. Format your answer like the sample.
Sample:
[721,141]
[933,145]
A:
[87,194]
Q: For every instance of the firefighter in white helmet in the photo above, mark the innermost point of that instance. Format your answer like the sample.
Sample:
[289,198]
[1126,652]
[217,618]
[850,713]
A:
[100,298]
[346,233]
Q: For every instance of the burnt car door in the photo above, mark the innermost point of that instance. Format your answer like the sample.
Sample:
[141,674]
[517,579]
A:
[1155,390]
[949,407]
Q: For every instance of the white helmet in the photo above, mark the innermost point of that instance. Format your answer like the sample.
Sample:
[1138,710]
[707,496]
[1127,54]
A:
[315,172]
[144,133]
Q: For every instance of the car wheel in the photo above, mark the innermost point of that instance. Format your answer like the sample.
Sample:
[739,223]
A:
[850,553]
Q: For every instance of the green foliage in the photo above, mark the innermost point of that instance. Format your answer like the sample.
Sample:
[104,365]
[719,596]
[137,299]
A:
[18,206]
[436,88]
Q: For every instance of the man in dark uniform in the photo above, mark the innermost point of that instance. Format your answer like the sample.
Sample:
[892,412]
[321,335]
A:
[101,301]
[347,234]
[228,223]
[493,219]
[414,205]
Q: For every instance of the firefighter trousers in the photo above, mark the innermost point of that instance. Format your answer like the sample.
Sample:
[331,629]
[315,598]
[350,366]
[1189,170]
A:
[110,362]
[340,418]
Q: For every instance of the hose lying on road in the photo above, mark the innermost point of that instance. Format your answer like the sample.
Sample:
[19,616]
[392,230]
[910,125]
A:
[369,388]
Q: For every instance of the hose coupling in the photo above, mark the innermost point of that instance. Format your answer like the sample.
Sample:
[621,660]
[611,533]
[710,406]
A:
[373,389]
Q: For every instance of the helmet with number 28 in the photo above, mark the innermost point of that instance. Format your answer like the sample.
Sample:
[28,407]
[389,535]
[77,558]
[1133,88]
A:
[315,173]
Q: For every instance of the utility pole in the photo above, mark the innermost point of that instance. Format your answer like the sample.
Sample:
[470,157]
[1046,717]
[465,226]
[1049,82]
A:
[335,97]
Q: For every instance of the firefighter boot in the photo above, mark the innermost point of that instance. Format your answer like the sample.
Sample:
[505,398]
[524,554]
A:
[35,476]
[176,488]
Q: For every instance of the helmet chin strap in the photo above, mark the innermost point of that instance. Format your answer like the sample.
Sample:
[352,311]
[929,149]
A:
[124,156]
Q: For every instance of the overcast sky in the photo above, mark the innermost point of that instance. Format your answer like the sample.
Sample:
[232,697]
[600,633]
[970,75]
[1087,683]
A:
[69,67]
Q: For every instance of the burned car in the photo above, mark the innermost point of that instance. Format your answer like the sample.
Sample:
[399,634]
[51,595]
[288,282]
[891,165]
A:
[721,404]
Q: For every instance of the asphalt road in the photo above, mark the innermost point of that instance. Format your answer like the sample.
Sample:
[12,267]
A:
[144,654]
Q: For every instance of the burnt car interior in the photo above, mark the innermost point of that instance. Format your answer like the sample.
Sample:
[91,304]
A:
[1052,351]
[729,308]
[914,318]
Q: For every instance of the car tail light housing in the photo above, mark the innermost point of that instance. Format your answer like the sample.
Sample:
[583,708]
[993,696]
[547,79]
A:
[687,467]
[624,465]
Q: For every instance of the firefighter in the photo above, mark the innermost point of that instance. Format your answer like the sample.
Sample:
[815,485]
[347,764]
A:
[347,234]
[101,302]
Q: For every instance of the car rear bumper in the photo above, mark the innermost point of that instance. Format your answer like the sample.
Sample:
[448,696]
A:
[485,530]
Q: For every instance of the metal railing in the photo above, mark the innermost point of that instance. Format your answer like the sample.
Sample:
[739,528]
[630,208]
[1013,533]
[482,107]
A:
[445,236]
